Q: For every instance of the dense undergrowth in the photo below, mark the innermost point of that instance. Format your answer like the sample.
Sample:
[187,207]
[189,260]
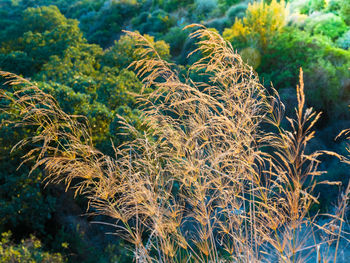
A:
[76,52]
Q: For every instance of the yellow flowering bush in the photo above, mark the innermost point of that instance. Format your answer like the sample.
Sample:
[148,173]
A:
[261,22]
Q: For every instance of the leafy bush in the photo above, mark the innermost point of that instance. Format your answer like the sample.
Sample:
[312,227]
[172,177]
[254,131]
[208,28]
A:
[224,4]
[295,6]
[158,21]
[45,32]
[344,41]
[17,61]
[236,11]
[310,6]
[326,24]
[287,52]
[297,20]
[171,5]
[176,38]
[205,6]
[24,206]
[40,19]
[325,86]
[219,23]
[345,11]
[334,6]
[108,21]
[327,79]
[325,68]
[121,54]
[28,251]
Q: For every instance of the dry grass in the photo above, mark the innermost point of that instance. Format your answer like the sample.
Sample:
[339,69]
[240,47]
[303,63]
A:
[196,186]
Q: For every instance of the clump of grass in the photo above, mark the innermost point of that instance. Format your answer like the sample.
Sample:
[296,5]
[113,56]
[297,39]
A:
[204,182]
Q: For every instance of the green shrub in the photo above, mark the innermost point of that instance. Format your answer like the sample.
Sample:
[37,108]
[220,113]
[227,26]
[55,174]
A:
[317,5]
[107,23]
[310,6]
[28,251]
[205,6]
[334,6]
[43,32]
[159,21]
[344,41]
[224,4]
[176,38]
[43,18]
[121,54]
[236,11]
[288,51]
[345,10]
[326,80]
[326,24]
[219,23]
[24,206]
[297,20]
[325,68]
[17,61]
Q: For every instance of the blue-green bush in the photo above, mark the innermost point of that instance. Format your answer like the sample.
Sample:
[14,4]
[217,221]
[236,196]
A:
[344,41]
[236,11]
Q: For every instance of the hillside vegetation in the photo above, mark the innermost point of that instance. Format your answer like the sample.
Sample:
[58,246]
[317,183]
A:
[187,143]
